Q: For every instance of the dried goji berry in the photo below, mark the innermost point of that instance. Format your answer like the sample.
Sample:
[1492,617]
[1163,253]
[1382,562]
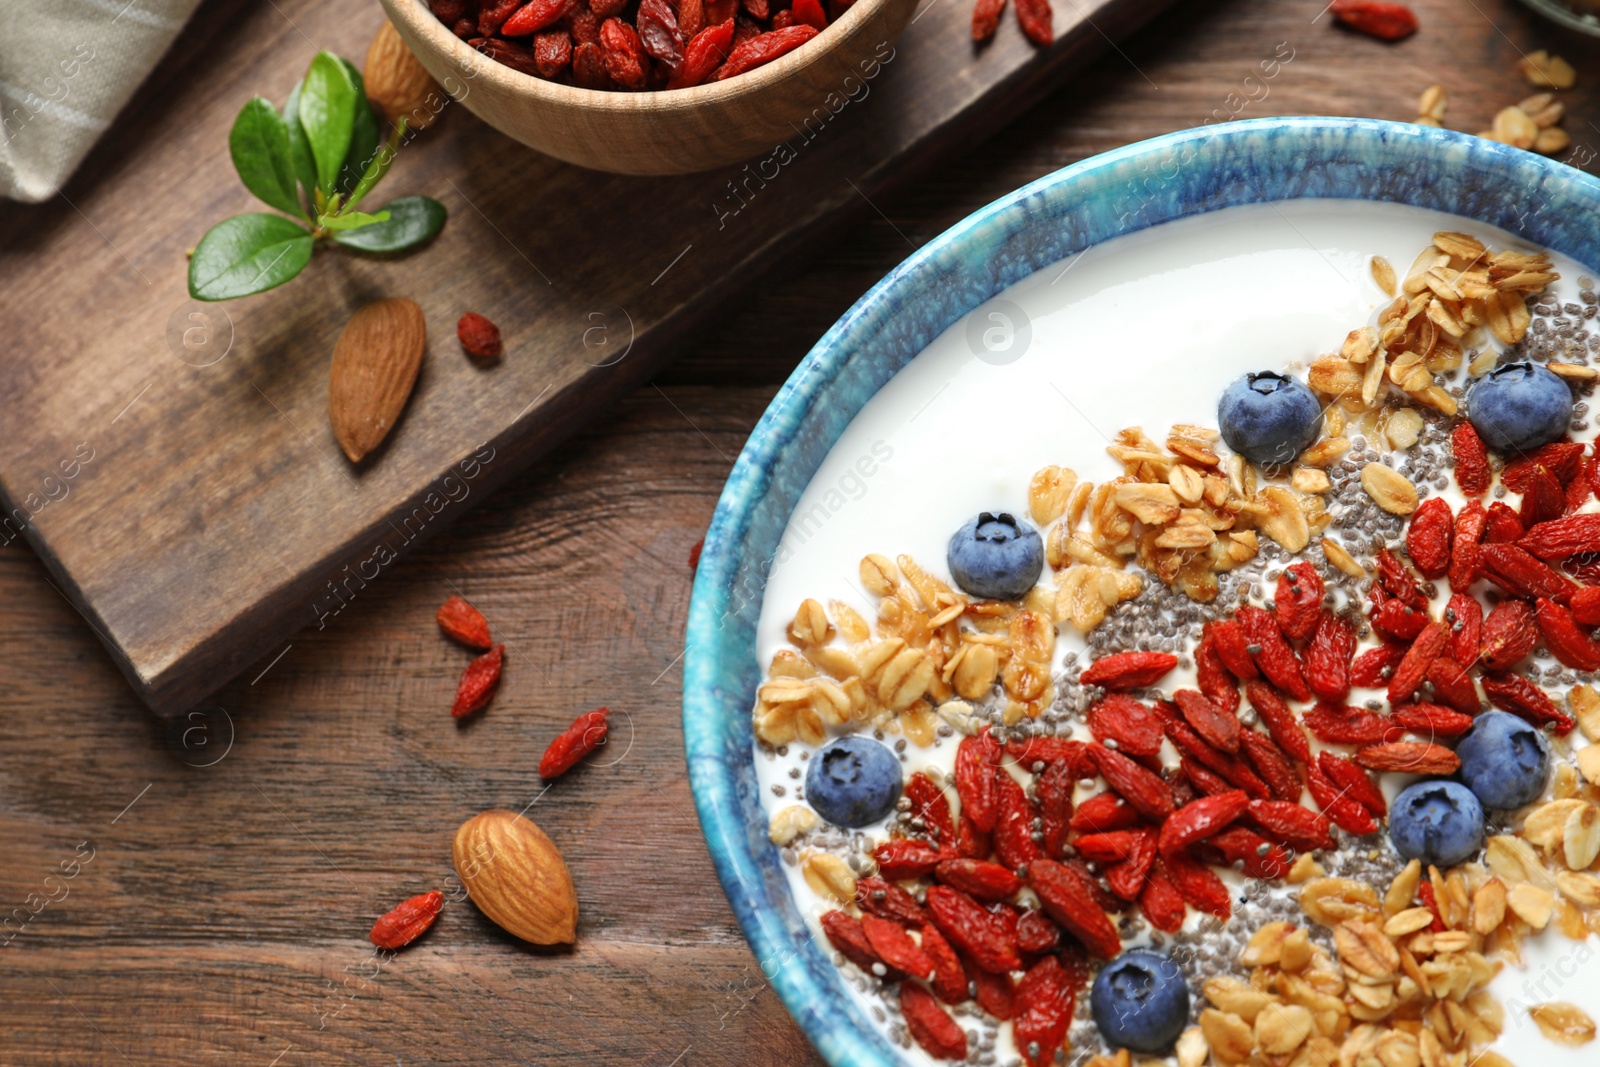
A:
[478,336]
[1398,620]
[552,54]
[1273,656]
[1043,1008]
[1580,489]
[1126,879]
[407,921]
[1464,616]
[1327,659]
[1160,902]
[705,52]
[979,879]
[845,934]
[986,18]
[1428,720]
[1345,813]
[624,54]
[1584,567]
[1037,933]
[977,761]
[895,947]
[1052,750]
[1563,537]
[1144,790]
[1431,902]
[1132,727]
[463,622]
[1196,883]
[1053,789]
[1034,18]
[1216,727]
[1413,666]
[810,12]
[1376,18]
[658,30]
[478,683]
[1564,638]
[1233,647]
[1278,719]
[1545,500]
[1453,685]
[930,1026]
[1213,677]
[1509,634]
[691,18]
[975,932]
[931,807]
[1103,811]
[1013,829]
[1205,781]
[1220,763]
[1295,826]
[1271,764]
[1516,694]
[533,17]
[587,733]
[1353,782]
[1111,847]
[949,976]
[1069,900]
[996,993]
[763,49]
[905,857]
[1409,757]
[589,67]
[1467,545]
[1500,524]
[883,898]
[971,841]
[1396,579]
[1200,820]
[1524,575]
[1585,606]
[1428,537]
[492,14]
[1562,459]
[1344,725]
[1252,853]
[1128,670]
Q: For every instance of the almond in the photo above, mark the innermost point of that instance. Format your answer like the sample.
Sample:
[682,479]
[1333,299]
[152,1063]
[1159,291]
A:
[397,84]
[375,364]
[516,876]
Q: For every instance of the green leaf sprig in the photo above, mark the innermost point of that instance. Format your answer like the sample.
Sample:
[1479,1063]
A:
[315,161]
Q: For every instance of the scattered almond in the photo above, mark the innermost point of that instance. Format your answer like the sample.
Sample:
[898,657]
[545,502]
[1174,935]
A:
[375,365]
[516,877]
[397,83]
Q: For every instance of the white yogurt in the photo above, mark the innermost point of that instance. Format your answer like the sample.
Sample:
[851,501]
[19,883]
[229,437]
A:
[1145,330]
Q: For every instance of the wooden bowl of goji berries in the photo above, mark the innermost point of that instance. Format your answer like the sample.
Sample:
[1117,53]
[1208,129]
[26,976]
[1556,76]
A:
[652,86]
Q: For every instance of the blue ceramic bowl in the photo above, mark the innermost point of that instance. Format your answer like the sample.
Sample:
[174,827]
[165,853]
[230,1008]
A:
[1156,181]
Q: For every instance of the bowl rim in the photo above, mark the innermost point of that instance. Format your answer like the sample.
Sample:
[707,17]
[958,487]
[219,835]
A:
[421,20]
[707,749]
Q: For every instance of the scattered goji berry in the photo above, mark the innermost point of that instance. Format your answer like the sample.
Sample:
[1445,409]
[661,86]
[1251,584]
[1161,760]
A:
[1409,757]
[1043,1008]
[1585,606]
[1160,903]
[1560,538]
[1453,685]
[979,879]
[986,18]
[930,805]
[1428,720]
[972,930]
[625,58]
[1102,812]
[1353,782]
[1252,853]
[407,921]
[1431,901]
[552,54]
[1509,634]
[587,733]
[1198,886]
[1376,18]
[1393,618]
[657,25]
[705,52]
[1230,768]
[1472,459]
[1128,670]
[1565,639]
[949,976]
[1524,575]
[1037,933]
[1464,616]
[995,993]
[478,683]
[1279,720]
[479,336]
[1295,826]
[463,622]
[1068,899]
[895,947]
[1052,750]
[1516,694]
[1327,659]
[1345,813]
[1501,524]
[1126,879]
[1200,820]
[1233,647]
[1143,789]
[977,761]
[905,857]
[1271,764]
[1053,790]
[1034,18]
[1132,727]
[1213,677]
[1428,537]
[1344,725]
[1467,546]
[1013,828]
[1562,459]
[1298,599]
[1273,656]
[845,934]
[1544,501]
[1216,727]
[763,49]
[1413,666]
[878,897]
[971,841]
[930,1026]
[1396,579]
[1206,782]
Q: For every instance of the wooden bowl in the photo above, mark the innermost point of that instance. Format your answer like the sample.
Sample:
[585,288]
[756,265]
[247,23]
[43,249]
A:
[670,132]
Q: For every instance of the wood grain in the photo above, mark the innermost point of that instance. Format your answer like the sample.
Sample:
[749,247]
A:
[216,515]
[222,910]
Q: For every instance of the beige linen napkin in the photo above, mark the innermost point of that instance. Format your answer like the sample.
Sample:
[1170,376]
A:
[66,69]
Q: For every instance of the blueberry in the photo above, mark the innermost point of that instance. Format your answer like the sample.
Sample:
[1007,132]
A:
[996,557]
[1437,822]
[1519,406]
[1269,418]
[1504,761]
[853,782]
[1140,1001]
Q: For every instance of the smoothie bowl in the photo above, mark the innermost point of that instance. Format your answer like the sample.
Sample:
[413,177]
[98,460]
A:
[1155,623]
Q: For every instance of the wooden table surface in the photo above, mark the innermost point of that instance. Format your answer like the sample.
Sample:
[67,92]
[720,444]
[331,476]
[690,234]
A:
[199,892]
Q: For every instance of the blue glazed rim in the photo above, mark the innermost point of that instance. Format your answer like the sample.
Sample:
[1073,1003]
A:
[1119,192]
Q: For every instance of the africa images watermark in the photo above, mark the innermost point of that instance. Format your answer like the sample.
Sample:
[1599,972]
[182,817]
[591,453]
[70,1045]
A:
[52,489]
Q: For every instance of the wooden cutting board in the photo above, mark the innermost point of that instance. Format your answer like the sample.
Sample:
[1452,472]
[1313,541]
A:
[171,461]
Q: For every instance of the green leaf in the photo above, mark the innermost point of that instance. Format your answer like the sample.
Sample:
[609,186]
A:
[259,144]
[305,167]
[247,254]
[363,134]
[351,220]
[412,221]
[328,111]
